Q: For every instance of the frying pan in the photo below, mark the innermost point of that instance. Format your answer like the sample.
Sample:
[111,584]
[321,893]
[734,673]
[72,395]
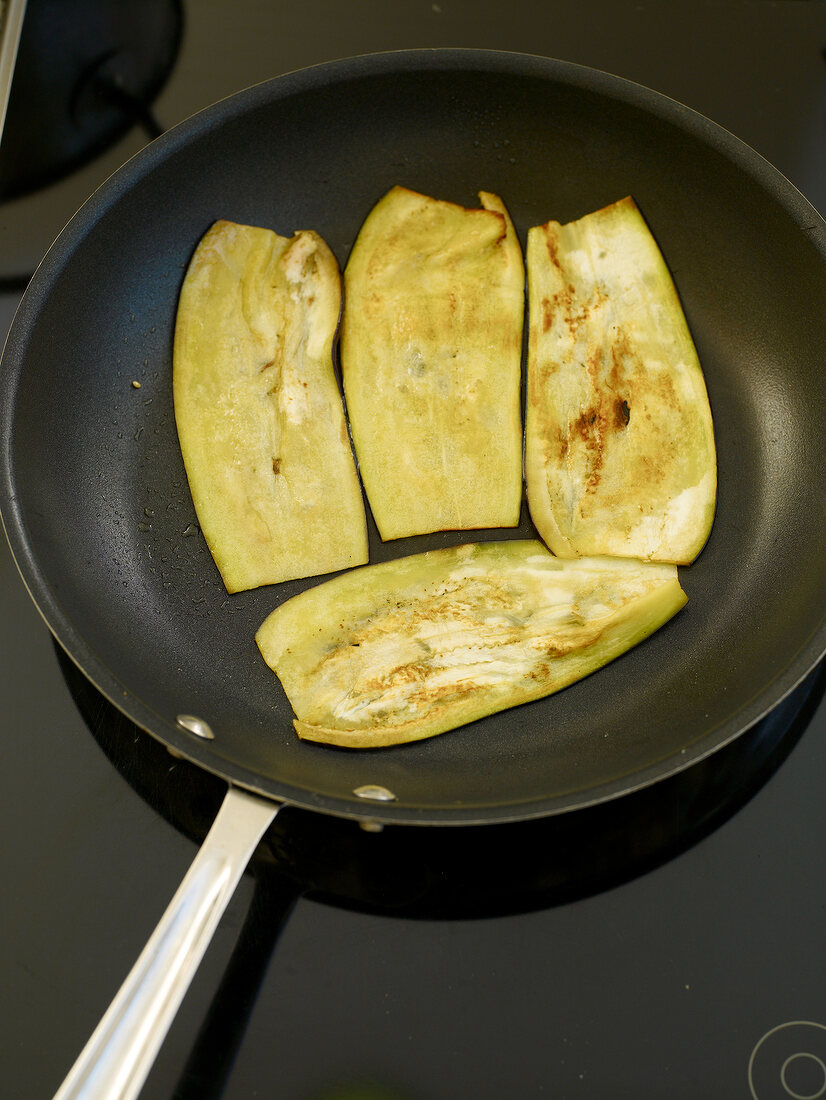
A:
[99,518]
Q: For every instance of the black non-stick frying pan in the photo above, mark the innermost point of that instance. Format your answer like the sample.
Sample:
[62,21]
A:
[95,500]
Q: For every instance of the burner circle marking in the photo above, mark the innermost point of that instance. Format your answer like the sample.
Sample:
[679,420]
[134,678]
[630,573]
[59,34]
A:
[782,1054]
[798,1057]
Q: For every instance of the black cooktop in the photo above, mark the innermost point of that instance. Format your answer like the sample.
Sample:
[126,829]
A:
[671,944]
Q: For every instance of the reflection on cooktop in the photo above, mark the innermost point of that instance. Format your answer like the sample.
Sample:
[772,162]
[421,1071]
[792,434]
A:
[85,74]
[480,871]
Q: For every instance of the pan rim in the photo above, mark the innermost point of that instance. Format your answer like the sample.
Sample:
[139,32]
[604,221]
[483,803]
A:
[780,189]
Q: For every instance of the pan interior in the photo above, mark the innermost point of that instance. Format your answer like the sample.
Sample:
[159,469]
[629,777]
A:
[96,501]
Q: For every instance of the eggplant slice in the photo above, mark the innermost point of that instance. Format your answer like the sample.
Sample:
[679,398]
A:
[619,443]
[406,649]
[259,413]
[431,344]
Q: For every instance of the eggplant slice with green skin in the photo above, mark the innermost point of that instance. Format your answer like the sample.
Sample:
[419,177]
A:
[431,345]
[407,649]
[259,413]
[619,442]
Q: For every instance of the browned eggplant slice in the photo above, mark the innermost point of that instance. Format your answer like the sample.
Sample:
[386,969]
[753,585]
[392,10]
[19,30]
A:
[619,443]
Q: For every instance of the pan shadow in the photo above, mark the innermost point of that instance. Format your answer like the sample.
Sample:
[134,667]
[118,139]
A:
[430,873]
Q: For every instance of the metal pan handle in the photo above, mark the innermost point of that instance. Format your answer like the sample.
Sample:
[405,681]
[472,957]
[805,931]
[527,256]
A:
[116,1060]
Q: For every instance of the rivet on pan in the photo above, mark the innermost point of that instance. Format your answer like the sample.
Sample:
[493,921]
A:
[370,826]
[376,793]
[196,726]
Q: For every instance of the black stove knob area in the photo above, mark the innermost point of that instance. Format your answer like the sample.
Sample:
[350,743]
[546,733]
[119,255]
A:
[86,73]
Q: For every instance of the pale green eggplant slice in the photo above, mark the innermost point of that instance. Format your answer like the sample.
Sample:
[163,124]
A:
[410,648]
[259,413]
[619,443]
[431,344]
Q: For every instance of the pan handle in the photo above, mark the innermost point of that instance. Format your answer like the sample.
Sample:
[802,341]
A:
[116,1060]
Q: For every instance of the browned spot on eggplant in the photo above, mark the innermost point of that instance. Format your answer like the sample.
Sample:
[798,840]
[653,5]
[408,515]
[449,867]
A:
[547,314]
[276,466]
[571,312]
[619,349]
[589,429]
[608,414]
[584,424]
[551,243]
[503,227]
